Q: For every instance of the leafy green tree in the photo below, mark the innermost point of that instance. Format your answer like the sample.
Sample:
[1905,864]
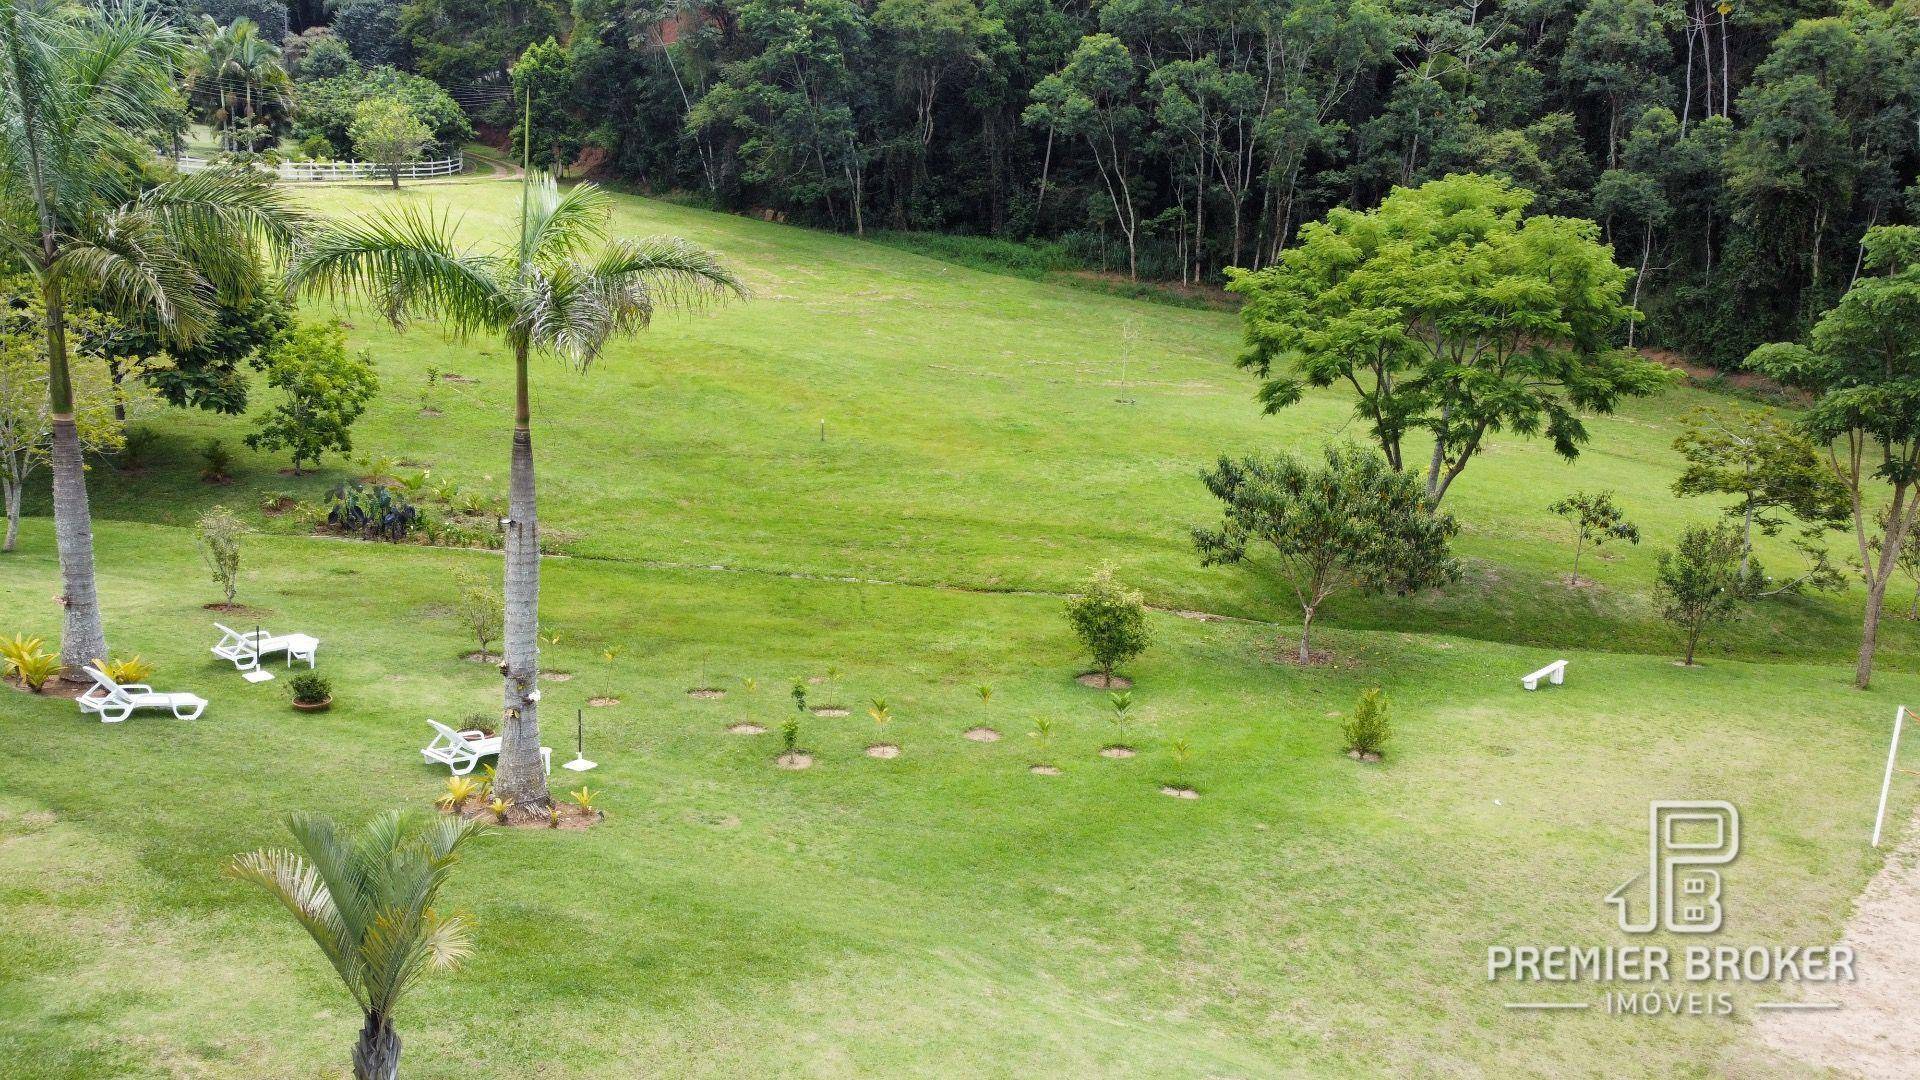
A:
[1770,469]
[207,373]
[370,29]
[542,293]
[326,390]
[1110,621]
[366,897]
[795,103]
[543,81]
[1609,51]
[221,534]
[386,131]
[933,42]
[1352,523]
[80,90]
[1597,520]
[1698,582]
[327,106]
[1093,99]
[1447,310]
[1862,362]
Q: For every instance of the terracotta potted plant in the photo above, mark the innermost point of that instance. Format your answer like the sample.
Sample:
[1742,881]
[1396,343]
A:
[311,692]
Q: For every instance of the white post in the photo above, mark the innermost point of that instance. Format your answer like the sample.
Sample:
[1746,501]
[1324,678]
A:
[1886,781]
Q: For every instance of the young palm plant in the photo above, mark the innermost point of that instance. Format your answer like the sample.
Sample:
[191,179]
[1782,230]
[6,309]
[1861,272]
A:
[543,294]
[81,89]
[367,900]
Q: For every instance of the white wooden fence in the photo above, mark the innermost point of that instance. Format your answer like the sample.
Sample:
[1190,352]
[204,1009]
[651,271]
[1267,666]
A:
[341,170]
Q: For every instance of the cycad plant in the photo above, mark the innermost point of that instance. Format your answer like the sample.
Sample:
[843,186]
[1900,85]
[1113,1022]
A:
[543,294]
[82,89]
[367,898]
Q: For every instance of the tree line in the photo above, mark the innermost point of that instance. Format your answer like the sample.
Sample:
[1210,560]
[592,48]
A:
[1734,155]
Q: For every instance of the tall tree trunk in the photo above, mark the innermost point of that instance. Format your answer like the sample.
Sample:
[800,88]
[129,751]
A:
[377,1055]
[1878,576]
[82,637]
[520,777]
[1693,639]
[13,519]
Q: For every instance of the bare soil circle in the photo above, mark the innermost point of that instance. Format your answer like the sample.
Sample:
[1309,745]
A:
[1101,682]
[983,734]
[883,750]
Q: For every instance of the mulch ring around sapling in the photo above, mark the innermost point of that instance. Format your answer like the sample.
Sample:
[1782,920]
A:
[832,711]
[983,734]
[557,676]
[1368,755]
[1117,751]
[478,657]
[602,701]
[55,687]
[797,760]
[706,693]
[1102,682]
[745,729]
[883,750]
[1043,770]
[1178,792]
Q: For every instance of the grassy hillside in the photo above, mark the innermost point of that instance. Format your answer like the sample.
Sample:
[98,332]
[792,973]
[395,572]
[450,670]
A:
[947,913]
[975,436]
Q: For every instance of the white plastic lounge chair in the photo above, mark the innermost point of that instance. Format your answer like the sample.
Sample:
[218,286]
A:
[115,702]
[462,750]
[245,650]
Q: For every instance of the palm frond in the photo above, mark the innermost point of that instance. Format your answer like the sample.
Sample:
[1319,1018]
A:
[675,272]
[225,209]
[559,224]
[132,266]
[408,262]
[299,888]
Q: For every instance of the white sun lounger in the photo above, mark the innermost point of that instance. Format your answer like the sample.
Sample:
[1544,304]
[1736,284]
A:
[115,702]
[462,750]
[245,650]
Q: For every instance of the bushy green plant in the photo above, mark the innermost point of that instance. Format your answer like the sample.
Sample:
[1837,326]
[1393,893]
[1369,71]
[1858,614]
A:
[216,461]
[789,737]
[1698,582]
[1597,519]
[459,790]
[1366,732]
[326,388]
[17,648]
[374,513]
[799,692]
[1111,622]
[482,610]
[310,688]
[133,669]
[35,670]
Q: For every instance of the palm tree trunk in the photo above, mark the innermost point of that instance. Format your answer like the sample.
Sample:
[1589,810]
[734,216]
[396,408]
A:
[82,637]
[520,777]
[377,1055]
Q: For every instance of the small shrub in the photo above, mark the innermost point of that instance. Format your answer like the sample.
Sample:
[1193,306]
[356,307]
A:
[310,688]
[1596,519]
[220,536]
[1367,730]
[789,737]
[482,609]
[799,693]
[375,513]
[1110,620]
[1122,703]
[35,670]
[583,798]
[499,808]
[459,790]
[136,450]
[880,712]
[17,648]
[553,816]
[131,670]
[216,461]
[1042,732]
[985,692]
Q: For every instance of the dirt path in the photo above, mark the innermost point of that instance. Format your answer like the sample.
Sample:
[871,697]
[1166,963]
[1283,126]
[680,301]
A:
[1874,1033]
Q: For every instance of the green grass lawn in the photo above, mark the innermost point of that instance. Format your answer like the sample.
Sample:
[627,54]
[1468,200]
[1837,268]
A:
[946,913]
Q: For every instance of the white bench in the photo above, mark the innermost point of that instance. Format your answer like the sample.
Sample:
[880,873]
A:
[1555,673]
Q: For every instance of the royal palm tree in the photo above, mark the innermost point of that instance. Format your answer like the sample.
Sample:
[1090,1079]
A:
[238,73]
[543,294]
[81,91]
[367,900]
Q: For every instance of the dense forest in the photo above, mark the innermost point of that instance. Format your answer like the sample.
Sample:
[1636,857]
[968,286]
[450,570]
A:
[1733,155]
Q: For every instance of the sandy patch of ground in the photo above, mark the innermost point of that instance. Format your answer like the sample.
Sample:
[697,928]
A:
[1872,1034]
